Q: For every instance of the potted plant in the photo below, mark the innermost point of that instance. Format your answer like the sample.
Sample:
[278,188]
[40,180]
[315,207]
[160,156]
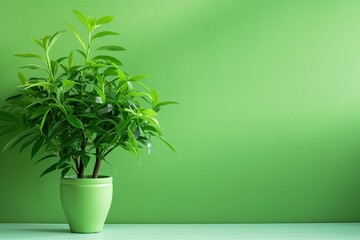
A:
[77,109]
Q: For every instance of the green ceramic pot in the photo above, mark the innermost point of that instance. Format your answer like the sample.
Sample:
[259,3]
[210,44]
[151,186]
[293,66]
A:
[86,202]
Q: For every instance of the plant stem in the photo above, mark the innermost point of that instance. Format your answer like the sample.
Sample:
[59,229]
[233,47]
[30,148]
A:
[81,170]
[97,164]
[81,165]
[76,163]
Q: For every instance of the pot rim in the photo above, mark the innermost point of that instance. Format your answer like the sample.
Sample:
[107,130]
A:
[87,180]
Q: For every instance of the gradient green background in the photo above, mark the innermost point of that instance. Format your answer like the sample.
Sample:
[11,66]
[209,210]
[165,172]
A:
[268,129]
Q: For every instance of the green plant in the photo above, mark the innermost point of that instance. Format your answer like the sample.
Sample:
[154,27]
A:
[76,112]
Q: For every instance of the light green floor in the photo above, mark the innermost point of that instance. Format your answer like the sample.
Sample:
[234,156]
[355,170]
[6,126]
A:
[324,231]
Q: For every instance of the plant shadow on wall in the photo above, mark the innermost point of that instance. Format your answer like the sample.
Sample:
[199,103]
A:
[79,112]
[76,112]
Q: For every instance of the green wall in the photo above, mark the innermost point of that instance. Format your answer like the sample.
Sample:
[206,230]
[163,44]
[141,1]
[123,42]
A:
[268,129]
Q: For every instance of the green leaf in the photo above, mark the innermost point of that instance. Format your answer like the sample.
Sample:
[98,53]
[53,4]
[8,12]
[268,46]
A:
[28,143]
[70,59]
[133,143]
[74,121]
[138,77]
[108,59]
[14,97]
[65,171]
[54,66]
[85,159]
[92,24]
[67,85]
[38,42]
[62,163]
[121,74]
[81,52]
[46,42]
[77,35]
[138,94]
[49,169]
[54,130]
[33,66]
[28,55]
[104,20]
[59,60]
[16,139]
[76,100]
[100,93]
[44,118]
[44,158]
[157,106]
[103,33]
[8,129]
[101,80]
[110,48]
[82,18]
[166,143]
[39,111]
[8,117]
[54,38]
[35,149]
[154,96]
[39,84]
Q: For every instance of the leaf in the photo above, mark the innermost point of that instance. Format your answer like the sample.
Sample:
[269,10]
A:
[8,117]
[138,77]
[65,171]
[103,33]
[82,18]
[38,42]
[54,38]
[154,96]
[59,60]
[54,130]
[33,66]
[14,97]
[44,158]
[39,84]
[85,159]
[44,118]
[54,66]
[101,93]
[62,163]
[138,94]
[8,129]
[22,78]
[70,59]
[100,80]
[104,20]
[38,111]
[108,58]
[46,42]
[77,35]
[167,143]
[67,85]
[28,143]
[157,106]
[74,121]
[28,55]
[49,169]
[110,48]
[16,139]
[35,149]
[133,143]
[81,52]
[92,24]
[121,74]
